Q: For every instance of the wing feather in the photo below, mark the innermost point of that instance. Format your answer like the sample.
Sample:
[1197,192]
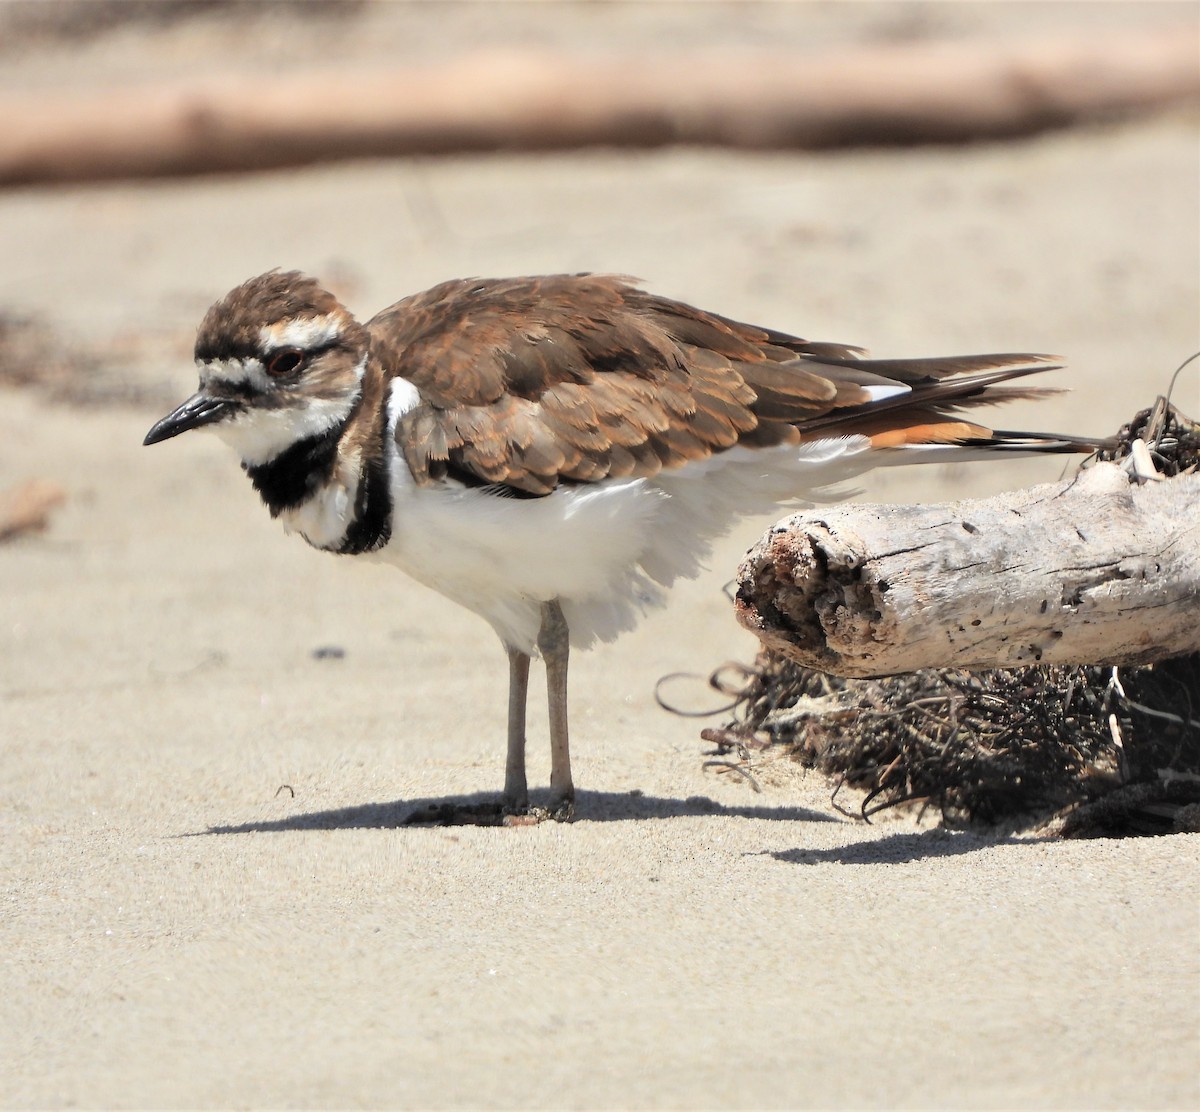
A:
[530,382]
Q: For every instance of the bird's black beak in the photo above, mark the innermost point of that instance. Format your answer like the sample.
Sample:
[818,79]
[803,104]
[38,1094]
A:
[198,410]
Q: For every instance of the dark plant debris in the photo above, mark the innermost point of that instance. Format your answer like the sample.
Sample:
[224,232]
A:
[1173,439]
[1016,746]
[1092,751]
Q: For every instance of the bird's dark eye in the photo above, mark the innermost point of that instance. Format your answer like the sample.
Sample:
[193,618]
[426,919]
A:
[284,362]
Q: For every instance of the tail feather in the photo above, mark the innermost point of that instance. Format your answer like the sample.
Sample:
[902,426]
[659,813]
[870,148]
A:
[932,396]
[982,441]
[935,368]
[924,409]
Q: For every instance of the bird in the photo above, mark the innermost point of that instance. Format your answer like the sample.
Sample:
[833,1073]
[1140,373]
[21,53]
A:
[554,452]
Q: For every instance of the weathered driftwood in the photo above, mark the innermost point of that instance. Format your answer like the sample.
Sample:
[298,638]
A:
[1092,570]
[901,93]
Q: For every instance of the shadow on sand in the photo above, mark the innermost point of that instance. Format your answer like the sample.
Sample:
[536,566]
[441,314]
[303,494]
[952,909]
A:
[895,849]
[589,807]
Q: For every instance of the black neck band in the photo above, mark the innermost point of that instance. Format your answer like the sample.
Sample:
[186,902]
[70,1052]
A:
[371,526]
[293,476]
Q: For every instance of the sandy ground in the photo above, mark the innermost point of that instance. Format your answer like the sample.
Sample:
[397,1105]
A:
[180,930]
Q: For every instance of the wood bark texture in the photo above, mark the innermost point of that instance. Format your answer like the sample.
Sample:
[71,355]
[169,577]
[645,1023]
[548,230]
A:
[910,93]
[1092,570]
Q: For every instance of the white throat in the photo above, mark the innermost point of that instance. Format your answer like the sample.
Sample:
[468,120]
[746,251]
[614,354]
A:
[260,435]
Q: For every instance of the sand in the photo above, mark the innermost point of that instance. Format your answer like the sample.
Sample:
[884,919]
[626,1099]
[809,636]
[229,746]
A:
[209,900]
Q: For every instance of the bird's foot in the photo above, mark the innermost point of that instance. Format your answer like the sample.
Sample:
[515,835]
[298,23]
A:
[562,810]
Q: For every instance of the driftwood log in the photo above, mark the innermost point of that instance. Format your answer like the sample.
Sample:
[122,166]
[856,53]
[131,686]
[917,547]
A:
[900,93]
[1092,569]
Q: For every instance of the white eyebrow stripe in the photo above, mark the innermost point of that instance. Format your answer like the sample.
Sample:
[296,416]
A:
[302,332]
[231,372]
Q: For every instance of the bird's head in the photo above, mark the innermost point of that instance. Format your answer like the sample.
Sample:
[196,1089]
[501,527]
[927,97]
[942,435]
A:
[280,360]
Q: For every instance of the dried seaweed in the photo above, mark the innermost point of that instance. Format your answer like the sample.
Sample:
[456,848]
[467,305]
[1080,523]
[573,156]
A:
[1010,745]
[1173,439]
[1091,750]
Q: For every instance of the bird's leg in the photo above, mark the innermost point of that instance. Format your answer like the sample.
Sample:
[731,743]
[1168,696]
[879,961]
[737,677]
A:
[516,793]
[554,644]
[513,808]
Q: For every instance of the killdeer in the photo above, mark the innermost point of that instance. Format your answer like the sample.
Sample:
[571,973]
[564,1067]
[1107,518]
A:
[553,452]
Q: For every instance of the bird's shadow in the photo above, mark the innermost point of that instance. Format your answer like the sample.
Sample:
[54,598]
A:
[589,807]
[896,849]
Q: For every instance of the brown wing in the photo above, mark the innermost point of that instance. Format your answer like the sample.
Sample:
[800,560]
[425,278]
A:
[530,382]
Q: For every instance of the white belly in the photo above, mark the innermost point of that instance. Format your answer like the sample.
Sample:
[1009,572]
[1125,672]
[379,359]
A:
[605,551]
[502,557]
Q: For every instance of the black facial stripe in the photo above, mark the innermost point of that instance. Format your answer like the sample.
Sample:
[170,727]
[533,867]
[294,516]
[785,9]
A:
[230,349]
[239,391]
[227,348]
[290,479]
[309,352]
